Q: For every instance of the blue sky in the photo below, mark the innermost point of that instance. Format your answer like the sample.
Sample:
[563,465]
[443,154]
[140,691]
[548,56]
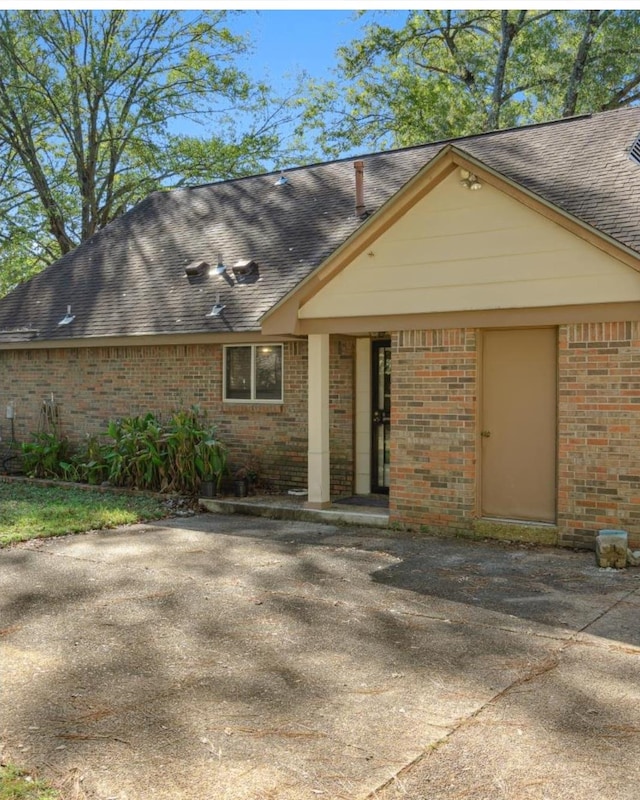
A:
[287,42]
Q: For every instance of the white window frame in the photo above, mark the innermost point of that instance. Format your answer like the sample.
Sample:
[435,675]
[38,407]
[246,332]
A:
[252,399]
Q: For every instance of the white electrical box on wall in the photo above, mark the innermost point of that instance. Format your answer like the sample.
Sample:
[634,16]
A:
[10,411]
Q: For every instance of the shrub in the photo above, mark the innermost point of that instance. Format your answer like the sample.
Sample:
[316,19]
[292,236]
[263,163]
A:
[43,456]
[141,453]
[175,457]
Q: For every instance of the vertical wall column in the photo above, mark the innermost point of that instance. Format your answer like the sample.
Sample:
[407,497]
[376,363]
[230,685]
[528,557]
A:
[433,410]
[318,463]
[598,431]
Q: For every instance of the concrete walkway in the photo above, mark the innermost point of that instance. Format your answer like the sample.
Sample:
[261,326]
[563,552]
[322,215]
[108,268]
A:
[224,657]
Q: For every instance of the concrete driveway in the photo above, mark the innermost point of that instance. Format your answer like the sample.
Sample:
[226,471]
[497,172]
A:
[224,658]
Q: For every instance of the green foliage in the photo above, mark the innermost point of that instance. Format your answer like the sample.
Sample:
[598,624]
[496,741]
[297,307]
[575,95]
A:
[92,103]
[133,457]
[451,73]
[89,464]
[15,784]
[29,511]
[140,452]
[249,470]
[193,453]
[44,455]
[172,457]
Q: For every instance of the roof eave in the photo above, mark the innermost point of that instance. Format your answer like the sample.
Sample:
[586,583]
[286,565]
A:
[137,340]
[432,173]
[283,316]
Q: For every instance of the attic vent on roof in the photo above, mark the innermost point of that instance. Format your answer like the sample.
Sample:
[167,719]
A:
[634,153]
[217,307]
[244,269]
[68,317]
[196,268]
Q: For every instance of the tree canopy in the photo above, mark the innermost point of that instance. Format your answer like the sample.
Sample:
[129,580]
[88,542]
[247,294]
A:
[452,73]
[93,106]
[99,108]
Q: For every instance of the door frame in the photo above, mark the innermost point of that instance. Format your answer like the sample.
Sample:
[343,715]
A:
[480,417]
[376,346]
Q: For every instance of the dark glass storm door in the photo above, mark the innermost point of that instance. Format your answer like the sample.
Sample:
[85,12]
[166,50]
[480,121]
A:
[380,415]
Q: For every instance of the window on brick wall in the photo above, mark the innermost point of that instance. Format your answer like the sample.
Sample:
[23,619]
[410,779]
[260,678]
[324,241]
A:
[253,372]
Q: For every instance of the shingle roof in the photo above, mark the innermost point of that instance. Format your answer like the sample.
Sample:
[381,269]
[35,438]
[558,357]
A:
[130,279]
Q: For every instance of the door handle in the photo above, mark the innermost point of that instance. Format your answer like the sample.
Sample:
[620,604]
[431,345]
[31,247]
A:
[485,434]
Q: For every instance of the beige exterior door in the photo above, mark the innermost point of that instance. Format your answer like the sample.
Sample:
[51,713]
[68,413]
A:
[518,431]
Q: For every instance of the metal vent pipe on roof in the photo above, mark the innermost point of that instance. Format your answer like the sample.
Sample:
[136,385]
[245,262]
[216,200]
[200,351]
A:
[360,207]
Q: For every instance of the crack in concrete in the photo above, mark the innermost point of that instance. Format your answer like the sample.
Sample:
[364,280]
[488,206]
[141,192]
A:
[536,671]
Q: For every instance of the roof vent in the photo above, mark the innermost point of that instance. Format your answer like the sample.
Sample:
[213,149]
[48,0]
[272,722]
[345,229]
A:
[634,153]
[217,307]
[196,268]
[68,317]
[244,269]
[219,268]
[216,310]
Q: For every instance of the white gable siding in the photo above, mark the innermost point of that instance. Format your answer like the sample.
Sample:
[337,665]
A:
[458,250]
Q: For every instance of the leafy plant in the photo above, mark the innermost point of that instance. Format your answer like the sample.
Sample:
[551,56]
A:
[141,452]
[87,465]
[44,454]
[90,463]
[134,459]
[171,457]
[193,452]
[249,470]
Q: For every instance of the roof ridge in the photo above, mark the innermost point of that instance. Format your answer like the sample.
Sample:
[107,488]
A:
[397,150]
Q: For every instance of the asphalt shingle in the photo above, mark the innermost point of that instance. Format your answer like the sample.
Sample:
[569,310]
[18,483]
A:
[130,277]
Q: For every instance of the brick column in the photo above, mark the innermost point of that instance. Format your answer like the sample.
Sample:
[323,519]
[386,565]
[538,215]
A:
[433,421]
[598,431]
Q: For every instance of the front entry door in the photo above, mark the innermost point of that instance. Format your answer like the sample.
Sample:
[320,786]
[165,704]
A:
[518,432]
[380,415]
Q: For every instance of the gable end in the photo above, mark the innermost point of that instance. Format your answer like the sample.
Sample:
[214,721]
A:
[634,153]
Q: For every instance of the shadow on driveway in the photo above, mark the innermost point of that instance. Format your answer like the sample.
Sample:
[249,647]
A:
[228,657]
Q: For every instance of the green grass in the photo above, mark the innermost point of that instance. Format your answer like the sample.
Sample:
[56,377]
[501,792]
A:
[18,785]
[29,511]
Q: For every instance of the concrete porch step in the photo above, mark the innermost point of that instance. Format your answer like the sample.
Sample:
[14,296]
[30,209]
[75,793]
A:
[295,509]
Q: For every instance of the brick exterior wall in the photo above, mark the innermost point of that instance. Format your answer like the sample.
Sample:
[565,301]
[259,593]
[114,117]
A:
[93,385]
[433,418]
[433,439]
[599,431]
[342,355]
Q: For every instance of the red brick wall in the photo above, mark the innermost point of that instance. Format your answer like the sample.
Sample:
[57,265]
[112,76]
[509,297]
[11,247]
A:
[342,414]
[433,412]
[599,431]
[434,395]
[434,390]
[94,385]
